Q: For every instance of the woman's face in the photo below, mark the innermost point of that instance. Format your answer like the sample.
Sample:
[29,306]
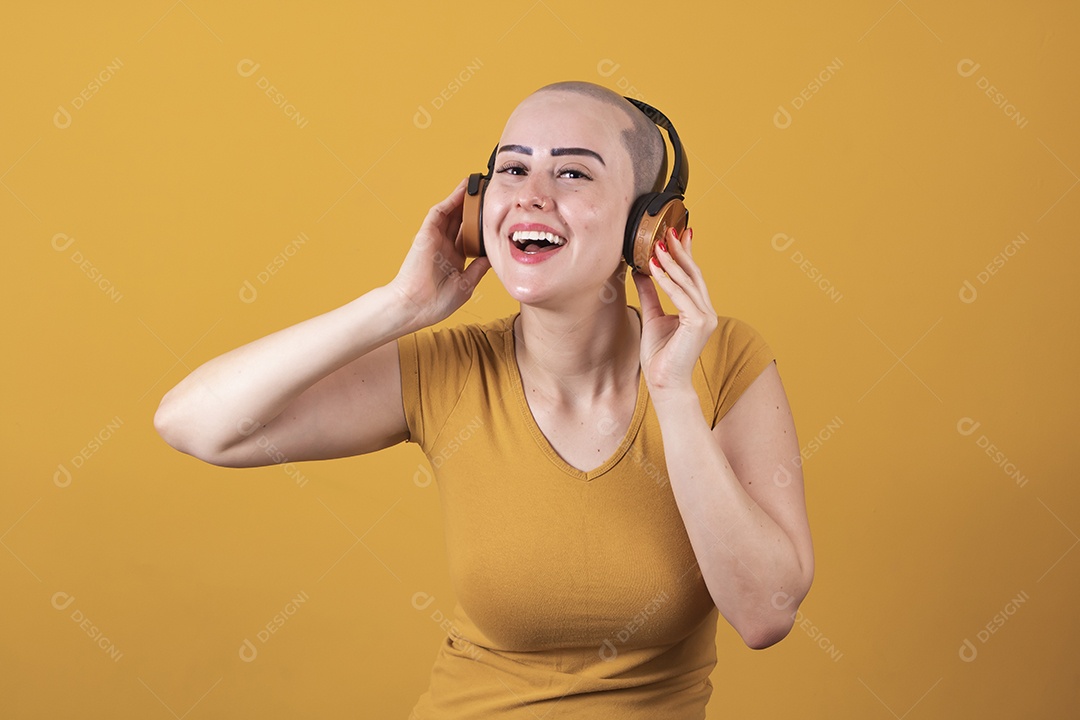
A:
[555,209]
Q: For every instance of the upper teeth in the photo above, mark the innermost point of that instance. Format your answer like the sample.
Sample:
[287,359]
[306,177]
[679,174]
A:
[523,235]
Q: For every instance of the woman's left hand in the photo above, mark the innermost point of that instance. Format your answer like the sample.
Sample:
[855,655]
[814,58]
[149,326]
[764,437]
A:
[671,344]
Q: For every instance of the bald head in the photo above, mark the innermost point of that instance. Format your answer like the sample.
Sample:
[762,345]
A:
[642,139]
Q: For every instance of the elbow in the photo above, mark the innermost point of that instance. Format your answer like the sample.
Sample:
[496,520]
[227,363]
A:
[771,627]
[165,426]
[172,429]
[763,635]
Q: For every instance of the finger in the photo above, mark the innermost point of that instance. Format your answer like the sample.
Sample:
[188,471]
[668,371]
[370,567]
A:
[699,274]
[476,269]
[680,250]
[678,296]
[689,304]
[680,247]
[647,295]
[440,215]
[678,276]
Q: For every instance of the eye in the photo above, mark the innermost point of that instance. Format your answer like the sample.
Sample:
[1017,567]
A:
[512,168]
[574,174]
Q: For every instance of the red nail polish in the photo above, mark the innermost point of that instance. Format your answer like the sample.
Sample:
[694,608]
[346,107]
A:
[655,261]
[661,245]
[674,234]
[690,233]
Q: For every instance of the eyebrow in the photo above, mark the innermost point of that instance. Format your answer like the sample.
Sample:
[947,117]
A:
[555,152]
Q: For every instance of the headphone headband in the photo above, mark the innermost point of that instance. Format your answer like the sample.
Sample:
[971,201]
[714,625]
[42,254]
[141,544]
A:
[680,169]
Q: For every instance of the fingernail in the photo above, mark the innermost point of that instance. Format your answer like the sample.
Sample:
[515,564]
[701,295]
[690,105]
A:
[655,261]
[689,233]
[674,234]
[660,244]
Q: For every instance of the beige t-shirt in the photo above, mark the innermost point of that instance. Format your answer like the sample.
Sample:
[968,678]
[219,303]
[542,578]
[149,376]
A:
[579,595]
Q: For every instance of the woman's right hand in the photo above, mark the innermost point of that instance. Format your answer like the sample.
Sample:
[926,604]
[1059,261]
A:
[433,281]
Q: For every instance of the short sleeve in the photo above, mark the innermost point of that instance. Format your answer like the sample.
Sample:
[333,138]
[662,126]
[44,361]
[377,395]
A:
[435,366]
[410,386]
[735,355]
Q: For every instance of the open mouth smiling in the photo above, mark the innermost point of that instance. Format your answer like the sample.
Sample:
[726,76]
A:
[536,241]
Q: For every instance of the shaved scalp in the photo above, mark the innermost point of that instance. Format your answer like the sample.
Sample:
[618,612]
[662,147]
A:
[642,139]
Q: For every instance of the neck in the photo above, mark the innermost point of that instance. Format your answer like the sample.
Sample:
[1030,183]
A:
[582,354]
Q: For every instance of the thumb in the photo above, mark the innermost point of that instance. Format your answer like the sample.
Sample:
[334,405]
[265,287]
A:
[476,269]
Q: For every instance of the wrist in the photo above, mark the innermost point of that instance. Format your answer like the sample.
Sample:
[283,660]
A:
[675,399]
[398,309]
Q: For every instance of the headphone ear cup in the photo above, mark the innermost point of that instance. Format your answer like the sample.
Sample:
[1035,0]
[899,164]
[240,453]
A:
[644,229]
[633,222]
[472,223]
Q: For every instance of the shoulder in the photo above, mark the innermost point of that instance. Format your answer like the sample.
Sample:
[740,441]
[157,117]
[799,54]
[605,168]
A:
[734,332]
[465,339]
[452,348]
[734,345]
[733,357]
[439,363]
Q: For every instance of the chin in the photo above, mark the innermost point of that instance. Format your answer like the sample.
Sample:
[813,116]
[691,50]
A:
[550,287]
[535,293]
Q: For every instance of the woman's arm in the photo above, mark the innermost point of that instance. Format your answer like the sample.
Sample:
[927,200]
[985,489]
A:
[749,531]
[746,517]
[329,386]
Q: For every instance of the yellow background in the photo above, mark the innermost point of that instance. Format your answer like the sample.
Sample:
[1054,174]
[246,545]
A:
[179,180]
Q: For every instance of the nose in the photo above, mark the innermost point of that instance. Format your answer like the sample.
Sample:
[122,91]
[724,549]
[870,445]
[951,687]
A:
[535,193]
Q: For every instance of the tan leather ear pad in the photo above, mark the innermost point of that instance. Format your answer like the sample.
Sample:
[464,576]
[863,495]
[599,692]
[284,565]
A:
[653,228]
[472,243]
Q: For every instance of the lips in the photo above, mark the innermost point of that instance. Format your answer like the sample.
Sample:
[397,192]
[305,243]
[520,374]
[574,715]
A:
[533,242]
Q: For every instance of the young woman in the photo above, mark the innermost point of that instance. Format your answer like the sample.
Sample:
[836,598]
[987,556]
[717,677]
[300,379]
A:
[612,479]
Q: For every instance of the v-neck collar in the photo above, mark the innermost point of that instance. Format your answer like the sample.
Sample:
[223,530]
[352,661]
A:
[640,406]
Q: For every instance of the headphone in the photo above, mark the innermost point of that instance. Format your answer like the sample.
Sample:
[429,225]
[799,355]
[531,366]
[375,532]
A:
[651,215]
